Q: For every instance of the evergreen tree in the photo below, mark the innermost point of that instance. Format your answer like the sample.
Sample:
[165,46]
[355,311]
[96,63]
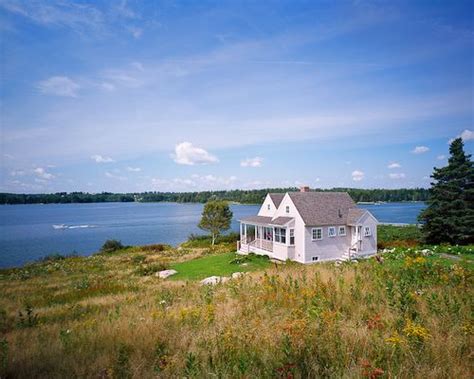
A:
[449,216]
[216,217]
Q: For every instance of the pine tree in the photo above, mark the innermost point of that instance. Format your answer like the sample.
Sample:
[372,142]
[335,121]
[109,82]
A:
[449,216]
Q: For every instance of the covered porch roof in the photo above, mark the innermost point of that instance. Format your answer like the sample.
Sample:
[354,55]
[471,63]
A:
[263,220]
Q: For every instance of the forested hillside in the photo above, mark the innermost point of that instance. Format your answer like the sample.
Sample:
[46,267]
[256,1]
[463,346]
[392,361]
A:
[240,196]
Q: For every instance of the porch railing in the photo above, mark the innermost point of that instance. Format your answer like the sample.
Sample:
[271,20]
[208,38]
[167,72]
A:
[257,243]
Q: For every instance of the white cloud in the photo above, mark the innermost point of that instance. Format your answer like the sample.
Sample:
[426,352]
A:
[101,159]
[135,32]
[195,182]
[397,175]
[394,165]
[17,173]
[74,15]
[357,175]
[134,169]
[252,162]
[441,157]
[41,173]
[426,178]
[113,176]
[59,86]
[466,135]
[420,150]
[138,66]
[187,154]
[107,86]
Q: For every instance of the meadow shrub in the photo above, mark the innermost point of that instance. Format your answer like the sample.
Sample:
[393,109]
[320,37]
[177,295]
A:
[151,268]
[110,246]
[157,247]
[27,318]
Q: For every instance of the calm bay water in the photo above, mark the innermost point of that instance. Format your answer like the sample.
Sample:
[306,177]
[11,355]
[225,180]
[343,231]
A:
[29,232]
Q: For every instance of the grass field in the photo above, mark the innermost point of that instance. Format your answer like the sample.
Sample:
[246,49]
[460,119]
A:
[108,316]
[218,265]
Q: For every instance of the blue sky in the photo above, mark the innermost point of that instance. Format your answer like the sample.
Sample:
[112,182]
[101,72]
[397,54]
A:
[184,96]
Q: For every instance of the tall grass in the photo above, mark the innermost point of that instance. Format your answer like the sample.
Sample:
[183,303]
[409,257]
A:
[98,317]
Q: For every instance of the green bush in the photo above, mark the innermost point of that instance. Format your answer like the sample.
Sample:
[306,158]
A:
[150,269]
[157,247]
[110,246]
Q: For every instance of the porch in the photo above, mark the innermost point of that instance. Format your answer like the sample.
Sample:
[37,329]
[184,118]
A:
[267,236]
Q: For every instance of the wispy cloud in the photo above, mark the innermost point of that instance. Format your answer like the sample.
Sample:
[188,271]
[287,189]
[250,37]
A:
[420,150]
[59,86]
[394,165]
[252,162]
[134,169]
[101,159]
[195,182]
[397,175]
[114,176]
[41,173]
[441,157]
[357,175]
[78,17]
[187,154]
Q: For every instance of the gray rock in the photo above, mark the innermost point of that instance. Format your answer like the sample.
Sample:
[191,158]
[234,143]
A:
[165,273]
[213,280]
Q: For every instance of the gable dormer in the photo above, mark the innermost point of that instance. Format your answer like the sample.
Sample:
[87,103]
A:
[270,204]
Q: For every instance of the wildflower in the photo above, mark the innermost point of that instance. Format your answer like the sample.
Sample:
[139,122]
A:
[395,340]
[416,331]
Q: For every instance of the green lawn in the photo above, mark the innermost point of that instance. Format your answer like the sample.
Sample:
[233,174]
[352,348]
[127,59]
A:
[218,265]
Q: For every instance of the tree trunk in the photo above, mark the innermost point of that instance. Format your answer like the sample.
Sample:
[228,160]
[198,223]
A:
[213,238]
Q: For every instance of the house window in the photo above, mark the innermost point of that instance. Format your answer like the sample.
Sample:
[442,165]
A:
[280,235]
[367,232]
[342,230]
[268,206]
[292,236]
[287,209]
[317,233]
[332,231]
[268,234]
[314,259]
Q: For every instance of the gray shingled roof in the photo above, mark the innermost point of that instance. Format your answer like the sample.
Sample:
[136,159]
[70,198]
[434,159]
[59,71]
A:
[257,219]
[266,220]
[354,215]
[277,198]
[281,220]
[323,208]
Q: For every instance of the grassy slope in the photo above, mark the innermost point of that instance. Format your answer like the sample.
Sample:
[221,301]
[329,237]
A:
[100,317]
[218,265]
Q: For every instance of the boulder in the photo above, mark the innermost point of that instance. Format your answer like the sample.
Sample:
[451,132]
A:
[237,275]
[165,273]
[213,280]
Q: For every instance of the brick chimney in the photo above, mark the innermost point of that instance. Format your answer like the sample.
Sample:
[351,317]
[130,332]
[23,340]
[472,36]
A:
[304,189]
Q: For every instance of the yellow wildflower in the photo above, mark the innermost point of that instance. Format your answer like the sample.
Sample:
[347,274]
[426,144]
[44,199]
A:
[416,331]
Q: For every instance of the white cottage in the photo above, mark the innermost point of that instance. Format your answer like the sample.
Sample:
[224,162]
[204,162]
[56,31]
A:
[309,227]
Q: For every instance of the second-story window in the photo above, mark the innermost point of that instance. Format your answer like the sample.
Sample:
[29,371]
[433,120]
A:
[268,206]
[332,231]
[287,209]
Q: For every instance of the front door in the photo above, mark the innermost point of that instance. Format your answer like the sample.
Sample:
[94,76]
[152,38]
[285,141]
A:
[356,230]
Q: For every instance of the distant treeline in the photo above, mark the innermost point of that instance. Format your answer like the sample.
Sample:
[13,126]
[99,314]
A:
[240,196]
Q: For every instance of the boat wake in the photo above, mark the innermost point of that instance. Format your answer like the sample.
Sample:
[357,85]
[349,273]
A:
[64,226]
